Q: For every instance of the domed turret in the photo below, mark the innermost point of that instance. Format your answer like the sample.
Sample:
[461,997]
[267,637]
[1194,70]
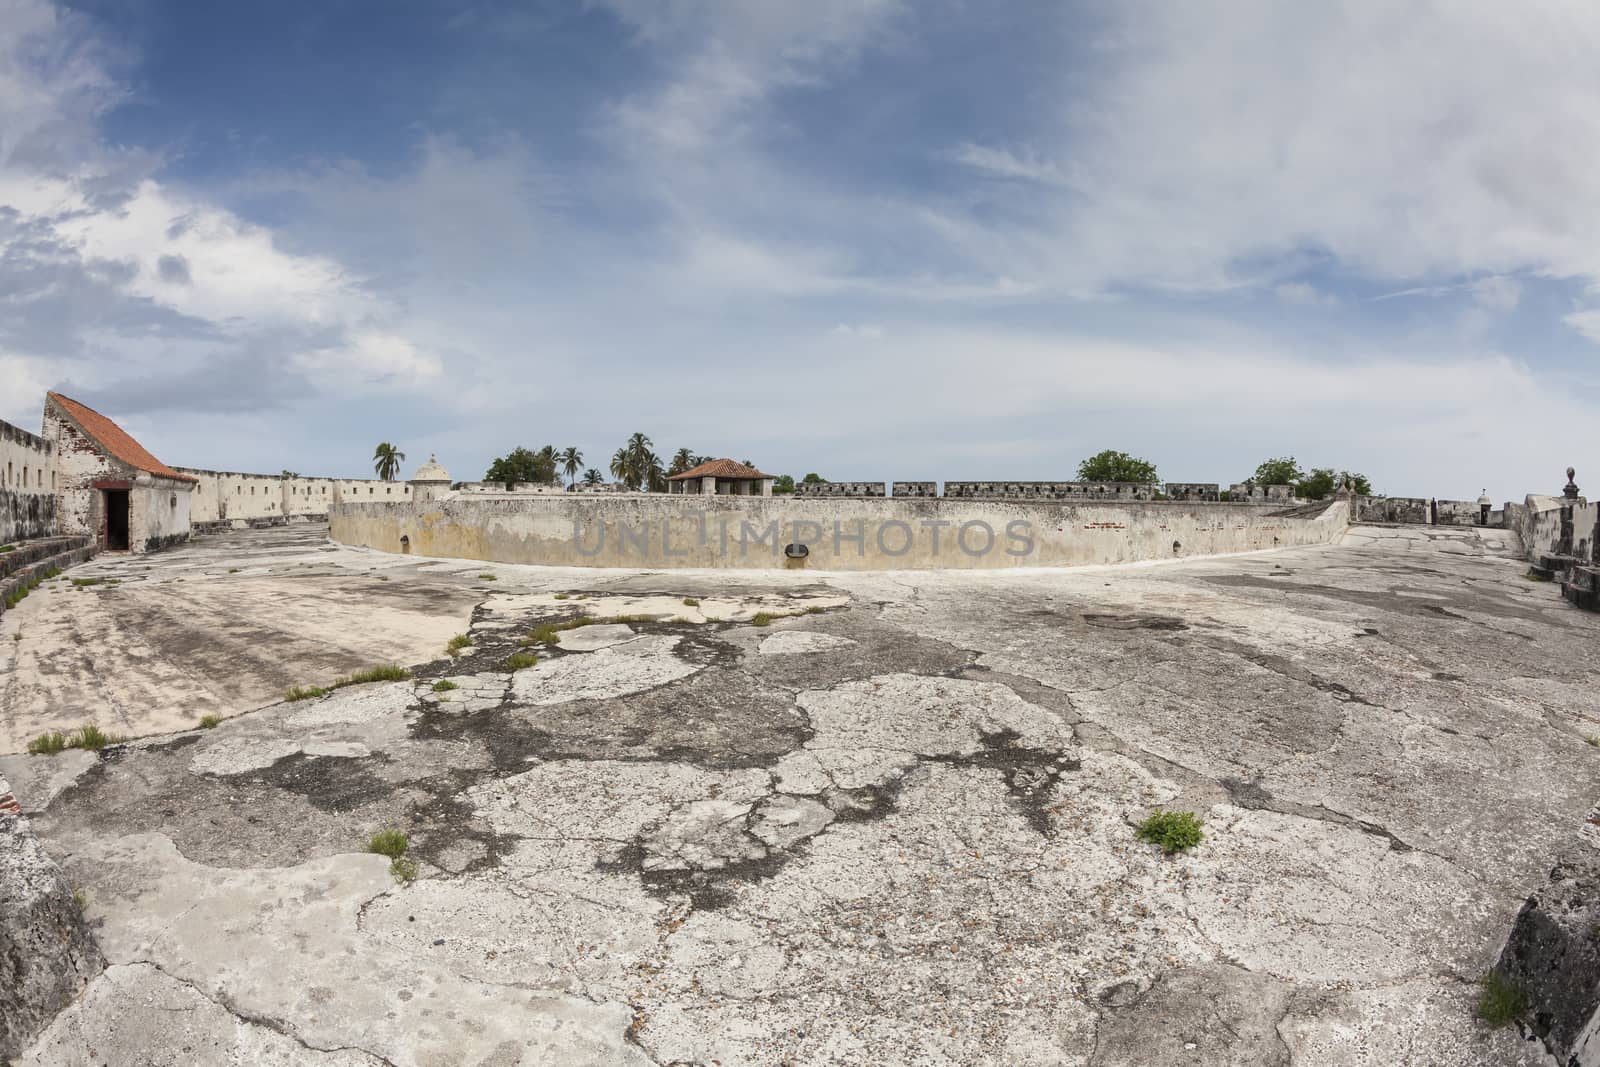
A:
[430,482]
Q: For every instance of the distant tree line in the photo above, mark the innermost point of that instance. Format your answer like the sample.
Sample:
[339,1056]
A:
[1317,484]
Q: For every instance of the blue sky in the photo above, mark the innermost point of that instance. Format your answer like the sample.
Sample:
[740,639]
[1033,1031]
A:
[877,239]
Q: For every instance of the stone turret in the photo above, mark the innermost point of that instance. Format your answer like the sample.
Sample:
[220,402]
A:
[431,482]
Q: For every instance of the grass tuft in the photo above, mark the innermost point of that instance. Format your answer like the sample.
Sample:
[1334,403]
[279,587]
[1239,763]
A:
[233,570]
[391,843]
[550,633]
[79,901]
[92,737]
[518,660]
[210,721]
[444,685]
[563,596]
[1591,738]
[457,643]
[89,737]
[388,672]
[488,577]
[83,583]
[762,618]
[1501,1000]
[1172,831]
[690,602]
[47,744]
[404,868]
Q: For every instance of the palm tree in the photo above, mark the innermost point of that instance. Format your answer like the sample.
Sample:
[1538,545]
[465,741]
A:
[548,461]
[652,474]
[386,460]
[640,459]
[682,460]
[571,464]
[593,477]
[622,467]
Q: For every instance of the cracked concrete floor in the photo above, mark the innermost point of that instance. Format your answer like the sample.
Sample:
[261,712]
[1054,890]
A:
[896,829]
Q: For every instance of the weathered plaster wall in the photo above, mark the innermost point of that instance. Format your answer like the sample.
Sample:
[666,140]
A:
[842,534]
[159,513]
[239,498]
[27,485]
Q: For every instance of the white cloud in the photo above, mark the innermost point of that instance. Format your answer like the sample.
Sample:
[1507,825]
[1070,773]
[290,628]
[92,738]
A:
[1497,293]
[1003,163]
[1405,140]
[1304,294]
[1586,323]
[735,53]
[100,257]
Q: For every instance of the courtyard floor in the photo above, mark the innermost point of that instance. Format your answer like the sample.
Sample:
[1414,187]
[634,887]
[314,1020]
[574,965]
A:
[894,824]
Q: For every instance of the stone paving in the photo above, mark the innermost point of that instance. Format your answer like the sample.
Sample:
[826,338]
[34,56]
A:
[893,824]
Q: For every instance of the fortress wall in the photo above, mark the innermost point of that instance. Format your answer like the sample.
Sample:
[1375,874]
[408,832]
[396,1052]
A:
[658,530]
[243,499]
[27,485]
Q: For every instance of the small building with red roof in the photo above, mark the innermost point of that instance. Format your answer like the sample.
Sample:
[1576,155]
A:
[109,487]
[721,477]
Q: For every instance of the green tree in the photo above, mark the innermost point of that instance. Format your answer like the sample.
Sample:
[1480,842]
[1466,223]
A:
[813,478]
[655,475]
[683,460]
[521,465]
[571,464]
[1323,482]
[386,460]
[1114,466]
[783,483]
[637,467]
[1284,471]
[593,477]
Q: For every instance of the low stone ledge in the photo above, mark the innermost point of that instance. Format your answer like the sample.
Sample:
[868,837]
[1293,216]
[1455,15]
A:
[47,954]
[28,553]
[1553,953]
[32,574]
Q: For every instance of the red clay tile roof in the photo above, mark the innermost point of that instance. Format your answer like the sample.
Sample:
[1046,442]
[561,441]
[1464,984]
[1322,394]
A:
[719,468]
[115,440]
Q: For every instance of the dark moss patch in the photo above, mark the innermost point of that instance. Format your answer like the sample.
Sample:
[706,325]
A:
[330,783]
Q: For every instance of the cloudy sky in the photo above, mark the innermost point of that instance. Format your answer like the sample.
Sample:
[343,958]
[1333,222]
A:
[880,239]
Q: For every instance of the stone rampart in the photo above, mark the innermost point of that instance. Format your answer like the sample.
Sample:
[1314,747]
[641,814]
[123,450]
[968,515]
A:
[866,489]
[919,490]
[1049,491]
[668,531]
[1193,491]
[1245,493]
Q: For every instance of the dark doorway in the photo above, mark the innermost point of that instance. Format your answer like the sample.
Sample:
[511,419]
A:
[116,519]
